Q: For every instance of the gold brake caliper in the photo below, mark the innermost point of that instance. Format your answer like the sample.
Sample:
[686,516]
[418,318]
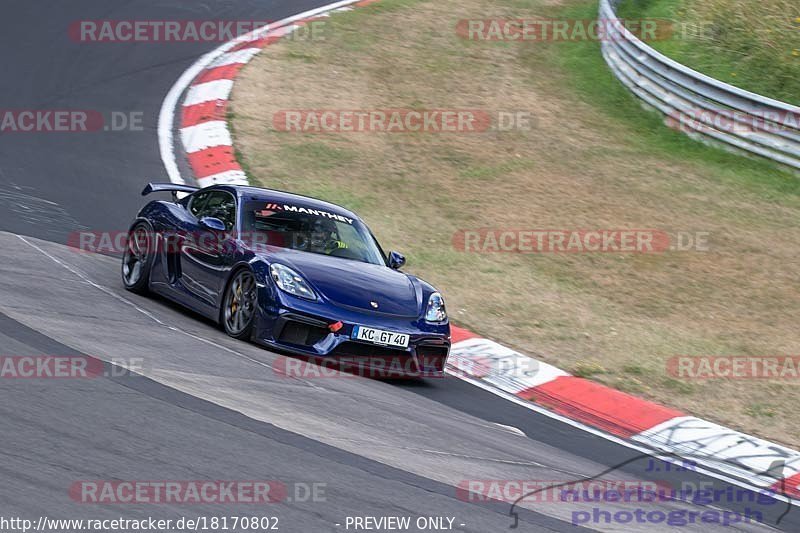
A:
[234,304]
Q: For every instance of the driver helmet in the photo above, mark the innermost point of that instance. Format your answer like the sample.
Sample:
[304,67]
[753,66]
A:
[324,235]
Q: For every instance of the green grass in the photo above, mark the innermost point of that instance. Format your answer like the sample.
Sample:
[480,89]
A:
[494,172]
[761,410]
[754,45]
[587,369]
[316,155]
[595,83]
[300,56]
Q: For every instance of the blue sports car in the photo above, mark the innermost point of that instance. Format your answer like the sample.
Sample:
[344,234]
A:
[290,272]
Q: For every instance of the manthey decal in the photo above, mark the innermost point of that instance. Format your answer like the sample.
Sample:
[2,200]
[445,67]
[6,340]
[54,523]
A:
[272,208]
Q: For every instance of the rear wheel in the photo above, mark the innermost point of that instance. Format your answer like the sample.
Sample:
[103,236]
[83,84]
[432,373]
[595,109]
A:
[138,259]
[239,305]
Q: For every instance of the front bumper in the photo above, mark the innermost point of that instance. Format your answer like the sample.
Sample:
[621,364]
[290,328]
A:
[304,328]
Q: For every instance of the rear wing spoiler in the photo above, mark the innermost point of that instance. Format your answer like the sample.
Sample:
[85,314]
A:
[174,188]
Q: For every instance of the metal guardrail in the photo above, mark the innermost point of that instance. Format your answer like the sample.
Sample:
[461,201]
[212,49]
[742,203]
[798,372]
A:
[704,108]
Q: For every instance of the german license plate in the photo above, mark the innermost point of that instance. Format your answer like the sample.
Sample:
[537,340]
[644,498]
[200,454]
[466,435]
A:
[379,336]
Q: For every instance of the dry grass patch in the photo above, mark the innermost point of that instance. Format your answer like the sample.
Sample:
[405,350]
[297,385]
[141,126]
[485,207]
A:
[579,167]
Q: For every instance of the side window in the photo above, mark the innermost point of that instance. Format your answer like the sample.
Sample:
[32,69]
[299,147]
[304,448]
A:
[197,202]
[221,205]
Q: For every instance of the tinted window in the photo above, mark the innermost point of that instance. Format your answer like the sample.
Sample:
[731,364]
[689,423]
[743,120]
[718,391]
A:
[221,205]
[197,202]
[308,229]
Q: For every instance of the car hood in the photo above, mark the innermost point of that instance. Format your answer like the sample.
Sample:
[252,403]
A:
[355,284]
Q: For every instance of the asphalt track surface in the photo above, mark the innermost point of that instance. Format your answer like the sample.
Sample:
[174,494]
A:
[204,406]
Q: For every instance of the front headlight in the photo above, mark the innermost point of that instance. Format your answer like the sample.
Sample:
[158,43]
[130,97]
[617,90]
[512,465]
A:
[436,311]
[290,281]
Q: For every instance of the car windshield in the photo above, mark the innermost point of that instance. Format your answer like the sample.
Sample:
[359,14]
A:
[307,229]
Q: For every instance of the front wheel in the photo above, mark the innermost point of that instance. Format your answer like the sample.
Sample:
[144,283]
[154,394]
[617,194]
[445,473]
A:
[239,305]
[137,259]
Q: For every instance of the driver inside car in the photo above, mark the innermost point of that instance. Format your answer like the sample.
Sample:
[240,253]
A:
[324,237]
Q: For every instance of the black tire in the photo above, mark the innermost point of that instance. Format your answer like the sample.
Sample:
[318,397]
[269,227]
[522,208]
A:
[137,260]
[240,305]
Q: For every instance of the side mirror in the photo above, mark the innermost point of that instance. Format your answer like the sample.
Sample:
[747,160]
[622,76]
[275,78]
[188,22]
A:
[396,260]
[213,224]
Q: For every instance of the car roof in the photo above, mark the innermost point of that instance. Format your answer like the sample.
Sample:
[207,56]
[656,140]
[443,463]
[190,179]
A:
[283,196]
